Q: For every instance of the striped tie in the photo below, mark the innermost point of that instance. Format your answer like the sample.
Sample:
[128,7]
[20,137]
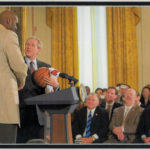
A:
[32,67]
[88,125]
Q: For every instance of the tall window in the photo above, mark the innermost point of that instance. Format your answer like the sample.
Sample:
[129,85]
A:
[92,47]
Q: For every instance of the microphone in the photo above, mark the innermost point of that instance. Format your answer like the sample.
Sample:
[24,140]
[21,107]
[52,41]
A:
[55,73]
[70,78]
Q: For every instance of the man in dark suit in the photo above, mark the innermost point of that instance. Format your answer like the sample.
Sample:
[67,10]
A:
[31,128]
[110,103]
[98,125]
[144,127]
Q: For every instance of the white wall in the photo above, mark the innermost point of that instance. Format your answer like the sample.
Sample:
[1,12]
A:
[143,34]
[43,31]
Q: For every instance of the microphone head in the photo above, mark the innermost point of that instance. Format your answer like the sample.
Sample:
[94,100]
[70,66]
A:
[63,75]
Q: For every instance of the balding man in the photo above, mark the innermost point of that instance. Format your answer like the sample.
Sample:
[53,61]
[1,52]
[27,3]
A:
[91,122]
[125,120]
[13,73]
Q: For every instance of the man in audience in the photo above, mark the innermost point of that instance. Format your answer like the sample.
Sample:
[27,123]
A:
[110,103]
[143,129]
[118,88]
[125,120]
[123,90]
[104,93]
[91,122]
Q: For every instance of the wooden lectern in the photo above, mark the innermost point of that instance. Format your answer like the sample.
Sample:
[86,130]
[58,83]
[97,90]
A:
[58,105]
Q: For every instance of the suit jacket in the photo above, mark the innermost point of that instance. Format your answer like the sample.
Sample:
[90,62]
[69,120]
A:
[13,72]
[30,90]
[144,124]
[131,121]
[99,124]
[115,105]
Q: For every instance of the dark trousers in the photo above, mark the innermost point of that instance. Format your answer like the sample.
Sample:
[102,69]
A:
[30,128]
[8,133]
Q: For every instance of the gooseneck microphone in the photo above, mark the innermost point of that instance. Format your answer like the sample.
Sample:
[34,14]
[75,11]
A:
[66,76]
[56,73]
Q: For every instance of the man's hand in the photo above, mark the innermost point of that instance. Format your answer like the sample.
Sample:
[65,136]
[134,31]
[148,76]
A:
[146,140]
[120,136]
[117,130]
[20,88]
[51,81]
[119,133]
[87,140]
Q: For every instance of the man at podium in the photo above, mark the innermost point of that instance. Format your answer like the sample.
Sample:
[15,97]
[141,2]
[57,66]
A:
[90,123]
[30,127]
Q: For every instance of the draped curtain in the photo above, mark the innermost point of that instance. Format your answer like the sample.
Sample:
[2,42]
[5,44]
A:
[63,22]
[122,45]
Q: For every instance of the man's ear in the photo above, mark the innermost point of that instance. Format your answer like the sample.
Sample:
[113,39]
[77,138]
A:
[39,50]
[8,20]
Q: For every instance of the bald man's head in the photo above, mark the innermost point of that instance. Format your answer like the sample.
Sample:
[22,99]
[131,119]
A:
[9,20]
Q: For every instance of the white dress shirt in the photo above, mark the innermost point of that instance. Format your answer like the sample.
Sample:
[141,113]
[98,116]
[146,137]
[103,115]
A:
[28,61]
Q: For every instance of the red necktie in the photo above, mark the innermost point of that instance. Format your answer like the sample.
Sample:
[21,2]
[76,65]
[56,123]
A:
[31,67]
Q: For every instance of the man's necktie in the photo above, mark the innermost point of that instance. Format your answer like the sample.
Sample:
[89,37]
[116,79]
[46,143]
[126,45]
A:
[125,116]
[88,125]
[31,67]
[109,110]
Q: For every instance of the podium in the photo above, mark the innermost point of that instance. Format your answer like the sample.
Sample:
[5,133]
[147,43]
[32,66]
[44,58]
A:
[61,103]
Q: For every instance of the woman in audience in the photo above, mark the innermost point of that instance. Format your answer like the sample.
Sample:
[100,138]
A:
[145,97]
[99,92]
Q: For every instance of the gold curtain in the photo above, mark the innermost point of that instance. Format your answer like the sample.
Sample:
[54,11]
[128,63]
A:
[63,22]
[122,45]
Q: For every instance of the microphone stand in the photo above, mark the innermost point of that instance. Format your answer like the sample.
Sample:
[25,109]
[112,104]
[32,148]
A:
[71,84]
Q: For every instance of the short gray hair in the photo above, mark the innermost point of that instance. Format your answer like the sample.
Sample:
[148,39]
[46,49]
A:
[91,94]
[39,41]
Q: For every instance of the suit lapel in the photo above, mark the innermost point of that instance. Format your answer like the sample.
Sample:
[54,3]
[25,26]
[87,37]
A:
[131,113]
[38,63]
[84,118]
[121,115]
[95,115]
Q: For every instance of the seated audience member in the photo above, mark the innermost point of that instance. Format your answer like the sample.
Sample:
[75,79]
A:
[118,88]
[88,90]
[99,92]
[143,129]
[137,101]
[123,90]
[90,123]
[145,97]
[125,120]
[110,103]
[104,92]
